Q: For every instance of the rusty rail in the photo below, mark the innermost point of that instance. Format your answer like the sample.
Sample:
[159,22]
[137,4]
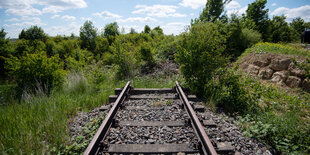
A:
[207,146]
[104,127]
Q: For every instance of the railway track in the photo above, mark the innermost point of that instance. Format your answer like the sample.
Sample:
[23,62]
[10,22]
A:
[154,121]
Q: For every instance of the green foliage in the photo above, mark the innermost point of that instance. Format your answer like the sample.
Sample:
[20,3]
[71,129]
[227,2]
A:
[157,31]
[298,25]
[27,46]
[102,46]
[88,33]
[145,54]
[167,48]
[200,53]
[240,37]
[124,57]
[282,121]
[278,48]
[2,34]
[281,32]
[227,91]
[34,72]
[78,60]
[132,31]
[259,15]
[33,33]
[111,29]
[147,29]
[213,10]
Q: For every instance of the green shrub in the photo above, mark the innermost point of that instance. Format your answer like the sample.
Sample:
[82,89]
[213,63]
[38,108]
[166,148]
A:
[124,57]
[36,71]
[227,91]
[145,55]
[78,59]
[250,37]
[167,48]
[200,54]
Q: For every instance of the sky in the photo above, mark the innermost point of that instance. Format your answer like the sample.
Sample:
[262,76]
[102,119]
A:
[63,17]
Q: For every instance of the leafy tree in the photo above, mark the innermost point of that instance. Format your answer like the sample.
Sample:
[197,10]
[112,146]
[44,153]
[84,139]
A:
[147,29]
[33,33]
[2,34]
[281,32]
[111,29]
[145,52]
[132,31]
[213,10]
[5,51]
[298,25]
[200,53]
[88,33]
[259,15]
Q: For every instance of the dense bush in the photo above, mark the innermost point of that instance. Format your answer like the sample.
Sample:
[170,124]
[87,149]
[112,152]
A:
[200,53]
[34,72]
[33,33]
[167,48]
[226,90]
[145,56]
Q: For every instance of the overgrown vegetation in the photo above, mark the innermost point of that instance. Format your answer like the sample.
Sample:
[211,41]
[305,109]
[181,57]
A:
[46,81]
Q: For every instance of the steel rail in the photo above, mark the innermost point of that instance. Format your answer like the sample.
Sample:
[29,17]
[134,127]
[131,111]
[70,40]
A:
[207,146]
[106,124]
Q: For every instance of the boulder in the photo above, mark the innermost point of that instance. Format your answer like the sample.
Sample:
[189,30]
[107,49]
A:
[296,71]
[280,64]
[293,81]
[262,62]
[306,85]
[280,76]
[265,73]
[252,69]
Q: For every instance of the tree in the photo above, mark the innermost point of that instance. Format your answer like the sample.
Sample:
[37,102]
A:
[147,29]
[33,33]
[200,54]
[256,11]
[88,33]
[2,34]
[132,31]
[5,51]
[281,32]
[298,25]
[111,29]
[213,10]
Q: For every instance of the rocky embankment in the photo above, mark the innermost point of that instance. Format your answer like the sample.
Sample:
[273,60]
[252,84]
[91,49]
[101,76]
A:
[280,69]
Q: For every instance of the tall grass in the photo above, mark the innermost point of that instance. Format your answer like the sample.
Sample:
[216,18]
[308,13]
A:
[38,124]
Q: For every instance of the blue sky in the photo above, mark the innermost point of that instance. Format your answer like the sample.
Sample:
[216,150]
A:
[64,17]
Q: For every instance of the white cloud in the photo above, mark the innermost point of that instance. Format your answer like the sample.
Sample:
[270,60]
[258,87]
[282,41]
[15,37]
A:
[273,4]
[106,15]
[86,18]
[12,20]
[194,4]
[158,10]
[233,5]
[302,12]
[137,19]
[27,7]
[55,16]
[174,28]
[63,30]
[29,21]
[68,18]
[237,11]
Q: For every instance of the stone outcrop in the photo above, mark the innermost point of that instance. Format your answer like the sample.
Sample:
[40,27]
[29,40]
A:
[278,69]
[306,85]
[293,81]
[280,76]
[252,69]
[280,64]
[265,73]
